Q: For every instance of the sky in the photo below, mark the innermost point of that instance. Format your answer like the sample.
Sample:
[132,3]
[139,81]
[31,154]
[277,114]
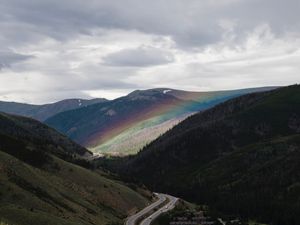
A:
[56,49]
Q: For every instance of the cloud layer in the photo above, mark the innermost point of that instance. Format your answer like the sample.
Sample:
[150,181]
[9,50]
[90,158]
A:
[73,49]
[138,57]
[8,58]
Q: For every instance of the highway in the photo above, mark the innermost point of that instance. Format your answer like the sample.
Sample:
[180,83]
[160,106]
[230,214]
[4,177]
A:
[165,208]
[132,220]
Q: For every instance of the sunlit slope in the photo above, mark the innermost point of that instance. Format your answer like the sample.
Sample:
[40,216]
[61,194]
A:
[134,138]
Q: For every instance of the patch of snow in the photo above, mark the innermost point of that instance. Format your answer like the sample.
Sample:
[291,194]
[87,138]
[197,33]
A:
[166,91]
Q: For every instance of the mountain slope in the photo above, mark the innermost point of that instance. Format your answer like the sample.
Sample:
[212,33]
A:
[28,130]
[125,125]
[241,157]
[42,112]
[37,186]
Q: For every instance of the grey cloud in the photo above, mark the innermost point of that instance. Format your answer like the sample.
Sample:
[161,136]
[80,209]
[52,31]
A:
[8,58]
[193,23]
[58,33]
[92,84]
[138,57]
[40,98]
[52,87]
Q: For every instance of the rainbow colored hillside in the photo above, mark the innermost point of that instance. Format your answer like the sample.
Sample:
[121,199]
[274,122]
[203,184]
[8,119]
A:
[124,125]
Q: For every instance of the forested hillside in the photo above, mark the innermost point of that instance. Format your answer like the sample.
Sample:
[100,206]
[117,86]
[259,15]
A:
[241,157]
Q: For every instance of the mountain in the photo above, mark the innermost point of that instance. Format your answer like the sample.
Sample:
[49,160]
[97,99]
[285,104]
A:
[42,112]
[42,182]
[32,131]
[126,124]
[240,157]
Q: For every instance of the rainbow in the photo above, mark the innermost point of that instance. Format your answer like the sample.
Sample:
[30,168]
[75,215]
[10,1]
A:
[152,121]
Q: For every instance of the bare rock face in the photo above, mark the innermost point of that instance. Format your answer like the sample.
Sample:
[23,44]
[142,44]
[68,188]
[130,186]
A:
[294,123]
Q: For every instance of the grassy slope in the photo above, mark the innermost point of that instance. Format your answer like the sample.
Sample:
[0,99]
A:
[61,193]
[133,139]
[37,185]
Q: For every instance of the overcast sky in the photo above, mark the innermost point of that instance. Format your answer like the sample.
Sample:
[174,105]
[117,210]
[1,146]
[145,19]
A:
[56,49]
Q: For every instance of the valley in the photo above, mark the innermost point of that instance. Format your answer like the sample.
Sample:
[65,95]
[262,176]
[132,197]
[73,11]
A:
[44,179]
[231,157]
[227,154]
[139,112]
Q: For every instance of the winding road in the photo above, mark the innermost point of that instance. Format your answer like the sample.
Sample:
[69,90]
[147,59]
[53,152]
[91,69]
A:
[132,220]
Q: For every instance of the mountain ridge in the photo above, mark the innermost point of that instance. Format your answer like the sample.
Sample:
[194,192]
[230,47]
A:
[42,112]
[134,114]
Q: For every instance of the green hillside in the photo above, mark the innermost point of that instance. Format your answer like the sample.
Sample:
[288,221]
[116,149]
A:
[240,157]
[37,186]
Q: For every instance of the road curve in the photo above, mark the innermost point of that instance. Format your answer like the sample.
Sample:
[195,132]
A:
[132,219]
[165,208]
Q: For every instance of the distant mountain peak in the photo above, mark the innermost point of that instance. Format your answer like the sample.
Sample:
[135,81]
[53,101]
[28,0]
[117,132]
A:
[149,94]
[42,112]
